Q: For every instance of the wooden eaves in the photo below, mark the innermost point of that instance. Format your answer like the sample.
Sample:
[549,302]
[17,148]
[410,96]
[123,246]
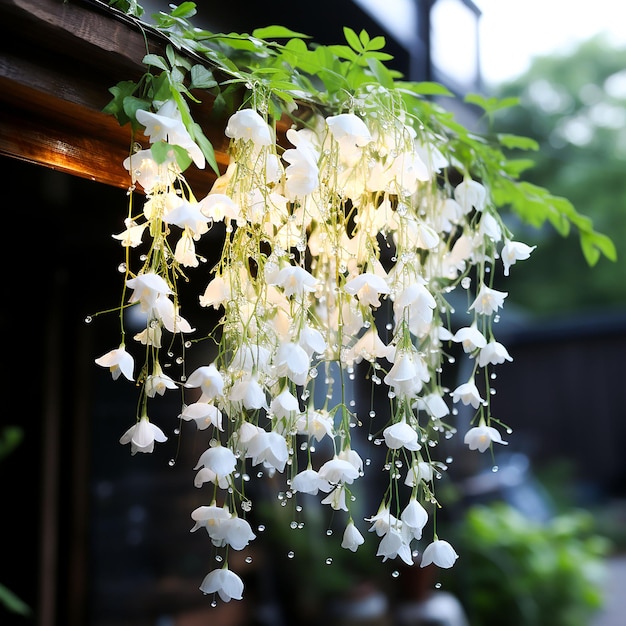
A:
[58,60]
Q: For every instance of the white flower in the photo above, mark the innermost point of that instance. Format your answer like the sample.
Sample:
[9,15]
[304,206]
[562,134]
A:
[248,125]
[439,552]
[131,237]
[420,470]
[285,404]
[185,251]
[233,531]
[352,456]
[338,470]
[349,128]
[352,538]
[203,414]
[291,360]
[216,293]
[513,251]
[188,215]
[316,424]
[383,521]
[312,341]
[147,172]
[470,195]
[414,518]
[482,436]
[166,125]
[434,404]
[490,228]
[248,392]
[218,459]
[146,289]
[407,374]
[488,300]
[295,280]
[219,206]
[166,311]
[369,347]
[367,287]
[206,475]
[415,304]
[119,362]
[142,436]
[210,381]
[336,499]
[209,517]
[226,583]
[150,336]
[401,435]
[158,382]
[269,448]
[309,481]
[467,393]
[494,353]
[393,544]
[302,174]
[470,338]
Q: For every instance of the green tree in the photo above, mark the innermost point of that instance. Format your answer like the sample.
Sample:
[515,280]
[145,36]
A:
[574,106]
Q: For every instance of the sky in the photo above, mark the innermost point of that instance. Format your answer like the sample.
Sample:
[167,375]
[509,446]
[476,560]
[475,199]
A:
[512,32]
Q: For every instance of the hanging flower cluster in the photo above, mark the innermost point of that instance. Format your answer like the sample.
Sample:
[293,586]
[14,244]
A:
[341,249]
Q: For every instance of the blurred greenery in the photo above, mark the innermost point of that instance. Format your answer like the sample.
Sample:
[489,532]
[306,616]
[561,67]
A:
[574,106]
[10,438]
[534,573]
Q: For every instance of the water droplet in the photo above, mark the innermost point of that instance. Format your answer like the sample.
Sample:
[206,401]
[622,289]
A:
[290,554]
[213,602]
[88,319]
[171,462]
[437,585]
[261,528]
[248,559]
[121,268]
[219,558]
[329,561]
[177,431]
[329,532]
[495,468]
[395,573]
[293,525]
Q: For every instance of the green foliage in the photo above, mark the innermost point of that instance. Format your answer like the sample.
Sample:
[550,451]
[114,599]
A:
[572,107]
[10,438]
[278,71]
[536,574]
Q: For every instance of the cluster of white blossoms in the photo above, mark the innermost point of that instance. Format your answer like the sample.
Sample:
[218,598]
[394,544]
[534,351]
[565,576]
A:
[340,253]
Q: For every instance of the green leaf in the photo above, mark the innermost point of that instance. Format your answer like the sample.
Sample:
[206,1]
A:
[156,61]
[131,105]
[12,602]
[10,437]
[201,78]
[185,10]
[277,32]
[427,88]
[381,73]
[162,151]
[594,244]
[115,107]
[353,39]
[206,146]
[517,141]
[491,104]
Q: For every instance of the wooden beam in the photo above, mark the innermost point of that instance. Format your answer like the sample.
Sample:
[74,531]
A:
[57,62]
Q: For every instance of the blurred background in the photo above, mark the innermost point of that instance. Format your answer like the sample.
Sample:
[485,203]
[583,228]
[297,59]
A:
[540,526]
